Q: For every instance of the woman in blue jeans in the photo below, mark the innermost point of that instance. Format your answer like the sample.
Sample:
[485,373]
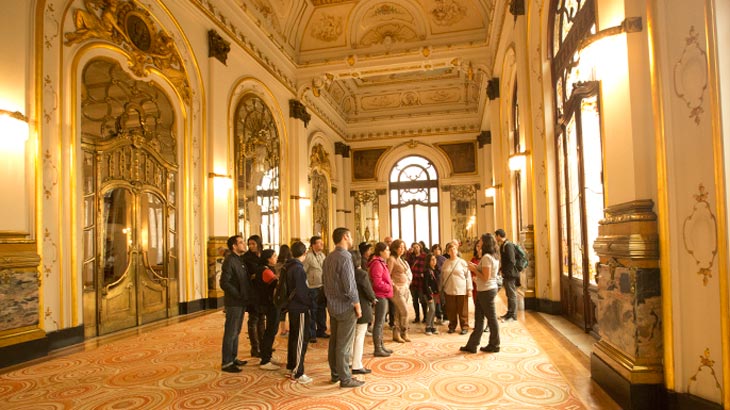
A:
[486,285]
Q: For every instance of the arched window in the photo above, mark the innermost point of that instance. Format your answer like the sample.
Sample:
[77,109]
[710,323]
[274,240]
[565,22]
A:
[414,201]
[579,157]
[256,142]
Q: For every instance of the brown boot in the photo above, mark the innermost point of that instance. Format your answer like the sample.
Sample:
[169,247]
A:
[404,336]
[396,336]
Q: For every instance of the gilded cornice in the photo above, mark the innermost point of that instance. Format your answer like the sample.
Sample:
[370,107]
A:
[246,43]
[134,30]
[639,210]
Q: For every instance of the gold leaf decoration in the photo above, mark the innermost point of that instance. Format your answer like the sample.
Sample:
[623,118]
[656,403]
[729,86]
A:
[132,29]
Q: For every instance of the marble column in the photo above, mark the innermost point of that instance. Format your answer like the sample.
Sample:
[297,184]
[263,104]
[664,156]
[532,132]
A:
[217,248]
[527,276]
[627,360]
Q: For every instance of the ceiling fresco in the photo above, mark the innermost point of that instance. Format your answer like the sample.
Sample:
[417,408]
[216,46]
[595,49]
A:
[365,60]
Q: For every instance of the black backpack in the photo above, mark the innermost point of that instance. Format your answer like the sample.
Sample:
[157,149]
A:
[282,296]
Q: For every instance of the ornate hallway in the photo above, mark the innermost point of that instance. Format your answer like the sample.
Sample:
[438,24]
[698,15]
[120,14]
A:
[174,364]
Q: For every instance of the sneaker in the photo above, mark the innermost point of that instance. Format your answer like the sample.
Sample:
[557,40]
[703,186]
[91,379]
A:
[428,331]
[434,331]
[352,383]
[231,368]
[303,379]
[269,366]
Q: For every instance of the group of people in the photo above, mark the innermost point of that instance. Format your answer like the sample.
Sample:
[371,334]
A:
[359,288]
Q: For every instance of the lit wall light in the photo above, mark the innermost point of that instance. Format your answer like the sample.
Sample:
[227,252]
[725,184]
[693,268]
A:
[221,183]
[304,201]
[602,53]
[518,162]
[14,125]
[491,192]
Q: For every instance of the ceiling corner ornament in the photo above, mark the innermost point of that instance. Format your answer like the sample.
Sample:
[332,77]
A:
[328,29]
[448,12]
[690,75]
[707,365]
[133,29]
[319,160]
[701,226]
[218,47]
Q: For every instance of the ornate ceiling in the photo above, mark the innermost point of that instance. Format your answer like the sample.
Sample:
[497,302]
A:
[372,67]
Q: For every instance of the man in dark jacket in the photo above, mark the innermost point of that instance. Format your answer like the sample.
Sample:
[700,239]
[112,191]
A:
[509,273]
[300,303]
[236,284]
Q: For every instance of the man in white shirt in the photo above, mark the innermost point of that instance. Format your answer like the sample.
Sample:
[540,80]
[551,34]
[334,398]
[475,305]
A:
[313,267]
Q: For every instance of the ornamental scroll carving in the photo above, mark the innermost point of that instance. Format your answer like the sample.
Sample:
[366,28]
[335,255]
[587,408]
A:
[701,224]
[132,29]
[690,75]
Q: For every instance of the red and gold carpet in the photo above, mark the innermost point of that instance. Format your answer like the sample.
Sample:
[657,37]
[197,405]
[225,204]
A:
[178,367]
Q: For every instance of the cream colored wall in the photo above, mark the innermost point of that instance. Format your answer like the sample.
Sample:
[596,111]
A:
[693,314]
[16,155]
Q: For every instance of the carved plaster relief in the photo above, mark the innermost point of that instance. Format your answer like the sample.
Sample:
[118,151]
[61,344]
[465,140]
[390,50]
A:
[328,28]
[448,12]
[699,235]
[388,34]
[690,75]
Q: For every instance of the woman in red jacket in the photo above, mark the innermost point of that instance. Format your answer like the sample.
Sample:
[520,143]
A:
[380,277]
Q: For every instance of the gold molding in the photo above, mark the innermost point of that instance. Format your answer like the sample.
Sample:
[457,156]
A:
[21,335]
[633,371]
[720,192]
[663,214]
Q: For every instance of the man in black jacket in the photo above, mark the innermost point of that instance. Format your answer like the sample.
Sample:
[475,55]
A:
[236,284]
[509,273]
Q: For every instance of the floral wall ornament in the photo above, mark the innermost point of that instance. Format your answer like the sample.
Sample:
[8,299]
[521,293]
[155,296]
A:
[701,223]
[706,364]
[690,75]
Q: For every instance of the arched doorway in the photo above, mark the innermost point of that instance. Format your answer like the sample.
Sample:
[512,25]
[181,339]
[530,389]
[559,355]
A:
[129,157]
[414,200]
[257,164]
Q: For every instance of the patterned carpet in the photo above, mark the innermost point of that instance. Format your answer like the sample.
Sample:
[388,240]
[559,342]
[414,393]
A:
[178,367]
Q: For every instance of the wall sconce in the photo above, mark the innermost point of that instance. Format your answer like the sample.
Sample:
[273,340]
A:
[518,162]
[601,52]
[221,182]
[491,192]
[14,125]
[304,201]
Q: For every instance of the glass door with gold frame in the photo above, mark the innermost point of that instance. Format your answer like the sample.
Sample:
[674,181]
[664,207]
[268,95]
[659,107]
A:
[129,188]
